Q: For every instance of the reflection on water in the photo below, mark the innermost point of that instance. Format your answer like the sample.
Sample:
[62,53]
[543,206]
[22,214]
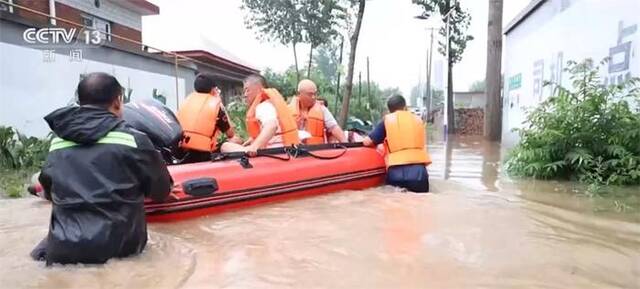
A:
[468,160]
[478,230]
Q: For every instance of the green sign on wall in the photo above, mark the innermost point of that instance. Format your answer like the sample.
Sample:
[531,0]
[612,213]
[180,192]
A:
[515,81]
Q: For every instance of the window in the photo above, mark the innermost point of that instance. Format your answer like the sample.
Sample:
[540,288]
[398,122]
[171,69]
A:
[99,24]
[87,21]
[7,7]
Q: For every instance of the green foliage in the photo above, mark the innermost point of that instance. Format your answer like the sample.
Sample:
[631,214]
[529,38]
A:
[19,151]
[364,107]
[459,23]
[20,156]
[13,183]
[274,20]
[237,111]
[478,85]
[328,62]
[589,133]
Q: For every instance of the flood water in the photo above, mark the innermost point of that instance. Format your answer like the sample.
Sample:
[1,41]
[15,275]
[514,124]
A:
[478,229]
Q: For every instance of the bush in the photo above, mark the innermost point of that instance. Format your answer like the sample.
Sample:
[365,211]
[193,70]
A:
[19,151]
[20,156]
[237,113]
[589,133]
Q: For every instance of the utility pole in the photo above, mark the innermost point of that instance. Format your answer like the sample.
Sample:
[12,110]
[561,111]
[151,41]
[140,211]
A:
[493,111]
[449,117]
[429,96]
[360,89]
[335,105]
[369,91]
[368,82]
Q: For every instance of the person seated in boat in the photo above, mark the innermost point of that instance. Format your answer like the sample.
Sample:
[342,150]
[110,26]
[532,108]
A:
[269,120]
[313,117]
[203,117]
[322,101]
[403,135]
[96,176]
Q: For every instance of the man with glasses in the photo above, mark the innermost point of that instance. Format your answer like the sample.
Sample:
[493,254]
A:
[314,117]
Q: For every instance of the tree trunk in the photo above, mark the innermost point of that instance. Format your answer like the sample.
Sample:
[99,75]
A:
[493,112]
[295,57]
[353,40]
[451,125]
[310,60]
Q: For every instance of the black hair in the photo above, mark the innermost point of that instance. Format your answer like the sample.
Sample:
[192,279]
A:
[204,83]
[396,102]
[324,101]
[98,88]
[257,78]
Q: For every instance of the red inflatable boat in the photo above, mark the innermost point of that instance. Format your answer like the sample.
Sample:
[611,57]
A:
[241,181]
[235,181]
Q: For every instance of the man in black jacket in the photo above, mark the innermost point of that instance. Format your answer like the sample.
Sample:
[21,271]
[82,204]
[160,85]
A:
[97,174]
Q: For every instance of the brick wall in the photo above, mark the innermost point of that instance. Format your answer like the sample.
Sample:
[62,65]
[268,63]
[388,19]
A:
[75,15]
[126,32]
[108,10]
[38,5]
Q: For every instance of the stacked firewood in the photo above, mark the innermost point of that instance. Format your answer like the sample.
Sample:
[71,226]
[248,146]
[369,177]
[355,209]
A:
[469,121]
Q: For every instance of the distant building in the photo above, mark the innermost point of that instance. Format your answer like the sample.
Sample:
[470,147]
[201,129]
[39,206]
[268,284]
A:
[548,33]
[469,99]
[40,74]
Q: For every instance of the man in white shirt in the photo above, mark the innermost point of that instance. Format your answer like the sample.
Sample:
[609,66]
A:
[265,117]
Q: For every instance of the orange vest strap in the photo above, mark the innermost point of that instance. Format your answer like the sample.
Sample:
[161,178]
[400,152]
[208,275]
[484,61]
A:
[288,127]
[314,122]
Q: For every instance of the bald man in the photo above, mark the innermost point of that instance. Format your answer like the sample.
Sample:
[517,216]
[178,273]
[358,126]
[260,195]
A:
[267,115]
[314,117]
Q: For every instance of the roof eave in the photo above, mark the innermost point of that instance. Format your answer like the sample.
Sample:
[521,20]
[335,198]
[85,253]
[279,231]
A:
[532,7]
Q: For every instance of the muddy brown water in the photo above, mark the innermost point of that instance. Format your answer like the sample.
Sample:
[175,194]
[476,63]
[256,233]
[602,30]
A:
[477,230]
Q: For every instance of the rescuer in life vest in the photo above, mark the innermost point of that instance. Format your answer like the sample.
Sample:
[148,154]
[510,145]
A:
[313,117]
[269,120]
[403,135]
[202,117]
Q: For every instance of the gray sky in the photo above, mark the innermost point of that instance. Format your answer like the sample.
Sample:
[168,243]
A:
[395,42]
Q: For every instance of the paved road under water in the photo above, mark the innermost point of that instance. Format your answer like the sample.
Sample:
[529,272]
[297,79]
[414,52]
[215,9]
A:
[478,230]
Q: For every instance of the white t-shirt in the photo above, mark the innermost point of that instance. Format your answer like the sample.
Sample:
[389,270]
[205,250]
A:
[265,112]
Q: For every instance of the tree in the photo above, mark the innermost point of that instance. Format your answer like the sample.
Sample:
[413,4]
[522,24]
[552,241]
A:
[493,111]
[416,92]
[459,21]
[276,21]
[478,85]
[327,61]
[321,19]
[353,41]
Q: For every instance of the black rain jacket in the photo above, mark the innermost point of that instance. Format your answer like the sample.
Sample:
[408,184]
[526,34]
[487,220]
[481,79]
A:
[97,174]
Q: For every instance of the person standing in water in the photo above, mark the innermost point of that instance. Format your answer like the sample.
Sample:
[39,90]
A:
[97,174]
[404,138]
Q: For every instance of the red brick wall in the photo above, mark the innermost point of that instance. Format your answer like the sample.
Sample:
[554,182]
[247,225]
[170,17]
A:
[38,5]
[75,15]
[68,13]
[126,32]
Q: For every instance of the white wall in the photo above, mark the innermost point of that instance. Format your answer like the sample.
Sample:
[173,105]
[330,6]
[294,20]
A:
[539,48]
[31,88]
[108,10]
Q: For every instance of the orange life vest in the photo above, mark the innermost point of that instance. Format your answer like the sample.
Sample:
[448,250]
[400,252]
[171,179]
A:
[197,116]
[314,123]
[288,127]
[406,139]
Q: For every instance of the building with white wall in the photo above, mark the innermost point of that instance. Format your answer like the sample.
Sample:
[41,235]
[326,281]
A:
[548,33]
[36,78]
